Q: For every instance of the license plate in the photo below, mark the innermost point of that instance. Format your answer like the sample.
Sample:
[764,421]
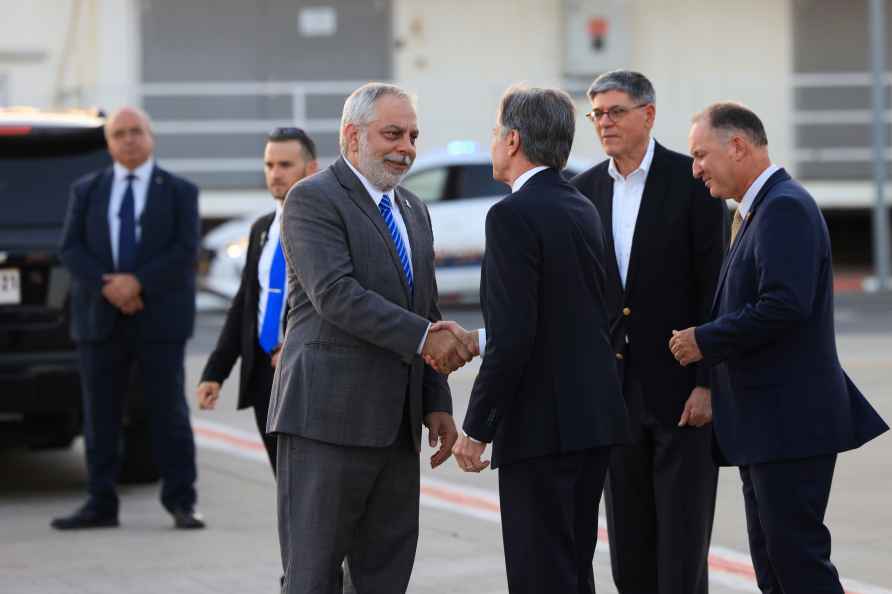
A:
[10,286]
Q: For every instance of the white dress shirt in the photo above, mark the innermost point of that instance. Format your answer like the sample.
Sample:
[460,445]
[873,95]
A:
[747,202]
[143,175]
[627,194]
[524,177]
[377,195]
[263,267]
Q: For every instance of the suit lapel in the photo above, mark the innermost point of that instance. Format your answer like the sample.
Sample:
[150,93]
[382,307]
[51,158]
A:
[364,202]
[653,199]
[779,176]
[253,267]
[156,184]
[104,189]
[604,196]
[414,225]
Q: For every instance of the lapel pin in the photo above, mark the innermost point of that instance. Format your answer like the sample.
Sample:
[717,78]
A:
[159,180]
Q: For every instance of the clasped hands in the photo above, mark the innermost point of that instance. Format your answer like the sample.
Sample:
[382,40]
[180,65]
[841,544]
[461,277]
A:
[449,346]
[123,291]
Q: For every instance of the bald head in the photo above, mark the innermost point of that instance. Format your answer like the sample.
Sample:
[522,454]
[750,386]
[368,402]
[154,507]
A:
[128,133]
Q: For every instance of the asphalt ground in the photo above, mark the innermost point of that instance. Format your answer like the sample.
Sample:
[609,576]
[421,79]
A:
[459,547]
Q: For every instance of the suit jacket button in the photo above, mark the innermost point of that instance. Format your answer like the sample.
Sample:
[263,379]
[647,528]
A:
[619,356]
[627,312]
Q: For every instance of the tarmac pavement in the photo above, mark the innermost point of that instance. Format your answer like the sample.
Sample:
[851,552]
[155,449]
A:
[459,547]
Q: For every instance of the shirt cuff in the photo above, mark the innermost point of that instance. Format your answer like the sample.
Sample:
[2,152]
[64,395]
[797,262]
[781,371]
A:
[481,341]
[424,338]
[475,440]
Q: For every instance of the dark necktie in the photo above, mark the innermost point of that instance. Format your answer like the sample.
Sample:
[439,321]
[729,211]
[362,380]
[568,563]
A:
[127,229]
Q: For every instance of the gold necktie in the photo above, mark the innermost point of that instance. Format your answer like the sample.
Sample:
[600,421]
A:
[735,225]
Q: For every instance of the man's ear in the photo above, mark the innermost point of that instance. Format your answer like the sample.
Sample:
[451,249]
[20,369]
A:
[740,147]
[312,167]
[650,115]
[351,133]
[513,142]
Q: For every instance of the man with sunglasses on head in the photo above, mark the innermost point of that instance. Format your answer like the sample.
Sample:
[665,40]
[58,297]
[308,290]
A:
[255,323]
[667,240]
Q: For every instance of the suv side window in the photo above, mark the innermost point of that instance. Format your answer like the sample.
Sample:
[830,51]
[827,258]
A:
[428,184]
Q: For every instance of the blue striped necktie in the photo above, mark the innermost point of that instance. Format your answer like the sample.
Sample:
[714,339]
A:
[269,332]
[387,214]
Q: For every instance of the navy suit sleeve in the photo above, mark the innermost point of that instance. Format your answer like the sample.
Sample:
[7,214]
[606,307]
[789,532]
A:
[511,285]
[74,253]
[165,270]
[709,222]
[786,268]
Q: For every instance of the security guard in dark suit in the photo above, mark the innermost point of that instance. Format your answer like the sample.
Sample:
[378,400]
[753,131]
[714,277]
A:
[255,323]
[130,242]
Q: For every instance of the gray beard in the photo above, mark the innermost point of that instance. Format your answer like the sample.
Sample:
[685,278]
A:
[374,169]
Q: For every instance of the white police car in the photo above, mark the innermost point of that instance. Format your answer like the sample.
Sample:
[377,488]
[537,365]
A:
[458,188]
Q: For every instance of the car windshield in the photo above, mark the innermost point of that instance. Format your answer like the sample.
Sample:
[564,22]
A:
[34,189]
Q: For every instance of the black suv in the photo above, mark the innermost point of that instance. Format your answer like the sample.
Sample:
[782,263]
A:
[41,154]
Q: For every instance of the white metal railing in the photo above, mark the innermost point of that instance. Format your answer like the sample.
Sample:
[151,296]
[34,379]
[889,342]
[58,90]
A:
[299,91]
[827,117]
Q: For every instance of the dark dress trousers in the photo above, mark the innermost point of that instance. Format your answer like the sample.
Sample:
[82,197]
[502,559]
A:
[154,338]
[783,406]
[661,487]
[547,395]
[240,338]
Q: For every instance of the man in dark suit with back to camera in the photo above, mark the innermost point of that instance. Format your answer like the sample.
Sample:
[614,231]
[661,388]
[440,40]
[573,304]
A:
[351,390]
[783,406]
[255,323]
[665,243]
[130,242]
[547,395]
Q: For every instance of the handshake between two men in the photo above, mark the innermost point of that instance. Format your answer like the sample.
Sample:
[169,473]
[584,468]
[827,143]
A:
[448,346]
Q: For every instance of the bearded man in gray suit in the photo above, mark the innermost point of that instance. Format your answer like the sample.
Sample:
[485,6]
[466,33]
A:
[351,390]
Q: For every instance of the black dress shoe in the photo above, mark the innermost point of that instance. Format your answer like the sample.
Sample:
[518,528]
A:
[85,518]
[187,519]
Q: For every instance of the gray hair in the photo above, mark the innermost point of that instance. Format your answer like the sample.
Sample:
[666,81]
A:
[730,117]
[633,84]
[359,108]
[544,119]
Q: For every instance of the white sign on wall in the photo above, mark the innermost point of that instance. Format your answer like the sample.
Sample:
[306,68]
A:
[596,36]
[317,21]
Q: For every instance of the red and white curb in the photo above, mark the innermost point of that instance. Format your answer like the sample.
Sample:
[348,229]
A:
[728,568]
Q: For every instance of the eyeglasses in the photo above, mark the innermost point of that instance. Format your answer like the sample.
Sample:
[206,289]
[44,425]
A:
[614,114]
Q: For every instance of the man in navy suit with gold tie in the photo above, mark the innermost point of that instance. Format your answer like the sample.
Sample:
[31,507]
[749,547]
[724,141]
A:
[130,242]
[783,407]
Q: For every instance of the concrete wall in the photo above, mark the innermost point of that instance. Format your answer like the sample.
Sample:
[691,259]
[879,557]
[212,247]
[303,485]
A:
[56,53]
[459,56]
[30,49]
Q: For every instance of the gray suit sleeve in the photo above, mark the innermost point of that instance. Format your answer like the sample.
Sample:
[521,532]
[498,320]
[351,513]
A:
[435,394]
[315,242]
